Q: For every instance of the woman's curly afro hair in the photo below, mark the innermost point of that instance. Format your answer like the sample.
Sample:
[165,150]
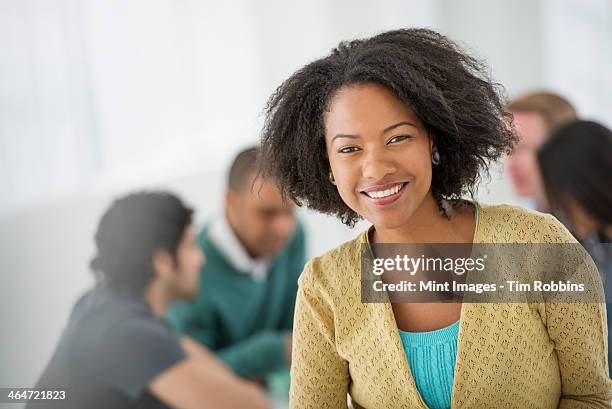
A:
[448,90]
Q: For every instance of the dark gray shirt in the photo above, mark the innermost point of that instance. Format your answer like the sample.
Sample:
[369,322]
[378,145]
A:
[111,349]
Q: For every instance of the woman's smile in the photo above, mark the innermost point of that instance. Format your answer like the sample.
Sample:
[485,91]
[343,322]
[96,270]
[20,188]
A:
[388,193]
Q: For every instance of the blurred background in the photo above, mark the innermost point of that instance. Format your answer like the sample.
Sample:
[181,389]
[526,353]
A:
[99,97]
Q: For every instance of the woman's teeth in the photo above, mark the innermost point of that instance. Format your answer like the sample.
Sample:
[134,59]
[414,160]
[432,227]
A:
[385,193]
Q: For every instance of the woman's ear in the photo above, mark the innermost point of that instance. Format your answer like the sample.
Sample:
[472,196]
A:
[432,142]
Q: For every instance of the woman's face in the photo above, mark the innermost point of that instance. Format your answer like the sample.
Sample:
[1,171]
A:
[379,154]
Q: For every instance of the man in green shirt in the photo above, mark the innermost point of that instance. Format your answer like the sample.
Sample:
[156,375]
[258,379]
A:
[255,253]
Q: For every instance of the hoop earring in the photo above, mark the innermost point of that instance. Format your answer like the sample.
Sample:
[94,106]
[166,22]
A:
[435,157]
[331,179]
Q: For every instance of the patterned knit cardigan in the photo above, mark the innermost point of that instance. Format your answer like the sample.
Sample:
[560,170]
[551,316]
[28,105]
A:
[509,355]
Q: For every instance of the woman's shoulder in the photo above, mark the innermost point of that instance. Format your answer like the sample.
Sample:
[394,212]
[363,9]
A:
[335,266]
[505,223]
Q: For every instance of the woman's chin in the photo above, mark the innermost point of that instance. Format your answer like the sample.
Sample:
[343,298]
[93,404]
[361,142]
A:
[388,221]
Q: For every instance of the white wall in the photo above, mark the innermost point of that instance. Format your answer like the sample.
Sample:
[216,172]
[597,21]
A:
[98,97]
[577,49]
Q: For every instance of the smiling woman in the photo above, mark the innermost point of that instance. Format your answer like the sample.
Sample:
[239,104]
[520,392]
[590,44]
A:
[437,93]
[396,129]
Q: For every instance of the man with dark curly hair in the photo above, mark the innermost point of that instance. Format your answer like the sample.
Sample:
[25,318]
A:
[396,129]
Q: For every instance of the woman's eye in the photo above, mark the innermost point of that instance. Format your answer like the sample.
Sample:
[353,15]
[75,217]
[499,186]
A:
[398,138]
[348,149]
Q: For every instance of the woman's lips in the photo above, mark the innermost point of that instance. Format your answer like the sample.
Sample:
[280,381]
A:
[387,199]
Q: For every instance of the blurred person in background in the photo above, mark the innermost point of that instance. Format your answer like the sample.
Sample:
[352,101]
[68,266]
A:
[535,116]
[576,168]
[255,253]
[116,350]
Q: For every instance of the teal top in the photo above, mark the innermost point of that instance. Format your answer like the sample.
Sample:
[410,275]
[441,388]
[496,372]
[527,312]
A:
[242,319]
[431,357]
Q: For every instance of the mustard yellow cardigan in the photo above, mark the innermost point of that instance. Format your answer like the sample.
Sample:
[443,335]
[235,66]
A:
[508,355]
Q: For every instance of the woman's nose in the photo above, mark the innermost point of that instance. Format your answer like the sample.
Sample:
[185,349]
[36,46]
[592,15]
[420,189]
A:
[377,164]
